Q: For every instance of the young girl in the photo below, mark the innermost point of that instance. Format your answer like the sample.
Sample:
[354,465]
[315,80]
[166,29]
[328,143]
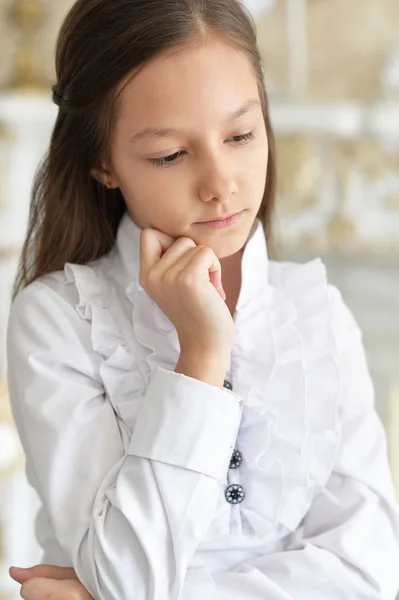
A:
[198,420]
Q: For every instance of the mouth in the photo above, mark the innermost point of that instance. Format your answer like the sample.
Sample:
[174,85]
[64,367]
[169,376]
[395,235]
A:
[223,222]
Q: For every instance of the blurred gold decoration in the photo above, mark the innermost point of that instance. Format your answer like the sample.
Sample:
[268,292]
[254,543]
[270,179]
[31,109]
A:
[375,161]
[304,166]
[299,171]
[315,241]
[342,232]
[28,16]
[369,155]
[341,152]
[393,203]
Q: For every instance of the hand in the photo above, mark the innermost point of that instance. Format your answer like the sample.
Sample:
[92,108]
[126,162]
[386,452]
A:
[45,582]
[185,280]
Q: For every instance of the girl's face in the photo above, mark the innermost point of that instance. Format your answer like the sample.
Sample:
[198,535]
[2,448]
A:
[190,145]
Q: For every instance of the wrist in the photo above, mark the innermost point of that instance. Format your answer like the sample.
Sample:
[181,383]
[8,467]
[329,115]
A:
[207,366]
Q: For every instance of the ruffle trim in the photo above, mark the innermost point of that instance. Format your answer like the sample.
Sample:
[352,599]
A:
[290,429]
[119,370]
[153,331]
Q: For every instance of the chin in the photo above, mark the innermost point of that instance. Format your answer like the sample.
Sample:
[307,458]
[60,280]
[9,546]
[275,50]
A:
[225,242]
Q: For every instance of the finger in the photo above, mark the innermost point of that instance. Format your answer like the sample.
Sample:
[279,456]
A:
[44,571]
[153,244]
[178,255]
[39,588]
[217,284]
[214,277]
[206,260]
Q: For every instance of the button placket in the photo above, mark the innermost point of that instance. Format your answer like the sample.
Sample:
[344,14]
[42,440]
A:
[234,469]
[234,493]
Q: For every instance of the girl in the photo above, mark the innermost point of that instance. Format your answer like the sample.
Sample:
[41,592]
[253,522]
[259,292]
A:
[198,420]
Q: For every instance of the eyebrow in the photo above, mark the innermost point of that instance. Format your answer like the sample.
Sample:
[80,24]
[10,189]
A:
[165,132]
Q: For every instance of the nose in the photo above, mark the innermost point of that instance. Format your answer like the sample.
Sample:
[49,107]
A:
[216,181]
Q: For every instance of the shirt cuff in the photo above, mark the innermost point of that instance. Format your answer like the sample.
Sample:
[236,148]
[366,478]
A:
[187,423]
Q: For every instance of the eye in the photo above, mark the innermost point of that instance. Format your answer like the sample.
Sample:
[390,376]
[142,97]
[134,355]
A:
[166,161]
[242,139]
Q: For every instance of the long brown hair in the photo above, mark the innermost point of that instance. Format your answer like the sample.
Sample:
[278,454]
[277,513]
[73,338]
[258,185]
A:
[73,218]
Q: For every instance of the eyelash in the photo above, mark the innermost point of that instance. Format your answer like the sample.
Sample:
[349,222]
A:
[163,162]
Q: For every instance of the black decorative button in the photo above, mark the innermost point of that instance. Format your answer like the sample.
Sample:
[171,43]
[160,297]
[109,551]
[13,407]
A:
[236,460]
[235,494]
[228,385]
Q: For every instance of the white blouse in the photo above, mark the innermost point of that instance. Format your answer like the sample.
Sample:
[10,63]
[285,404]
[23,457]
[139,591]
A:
[157,486]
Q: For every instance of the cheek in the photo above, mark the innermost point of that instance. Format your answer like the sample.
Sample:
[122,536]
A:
[154,183]
[256,168]
[152,194]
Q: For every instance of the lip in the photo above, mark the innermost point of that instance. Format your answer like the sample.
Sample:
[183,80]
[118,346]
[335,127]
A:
[221,223]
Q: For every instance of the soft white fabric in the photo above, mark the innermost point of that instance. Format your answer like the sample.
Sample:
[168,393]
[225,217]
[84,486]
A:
[131,460]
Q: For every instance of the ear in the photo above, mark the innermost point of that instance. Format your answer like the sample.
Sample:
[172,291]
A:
[104,176]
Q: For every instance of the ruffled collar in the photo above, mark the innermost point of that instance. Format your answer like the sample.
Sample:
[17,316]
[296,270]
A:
[255,262]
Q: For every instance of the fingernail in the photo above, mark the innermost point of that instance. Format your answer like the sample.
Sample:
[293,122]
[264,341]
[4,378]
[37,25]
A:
[19,570]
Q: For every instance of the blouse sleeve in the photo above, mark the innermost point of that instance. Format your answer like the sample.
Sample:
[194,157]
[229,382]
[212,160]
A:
[348,546]
[129,522]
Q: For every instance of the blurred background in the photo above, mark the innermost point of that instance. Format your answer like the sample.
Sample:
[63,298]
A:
[332,72]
